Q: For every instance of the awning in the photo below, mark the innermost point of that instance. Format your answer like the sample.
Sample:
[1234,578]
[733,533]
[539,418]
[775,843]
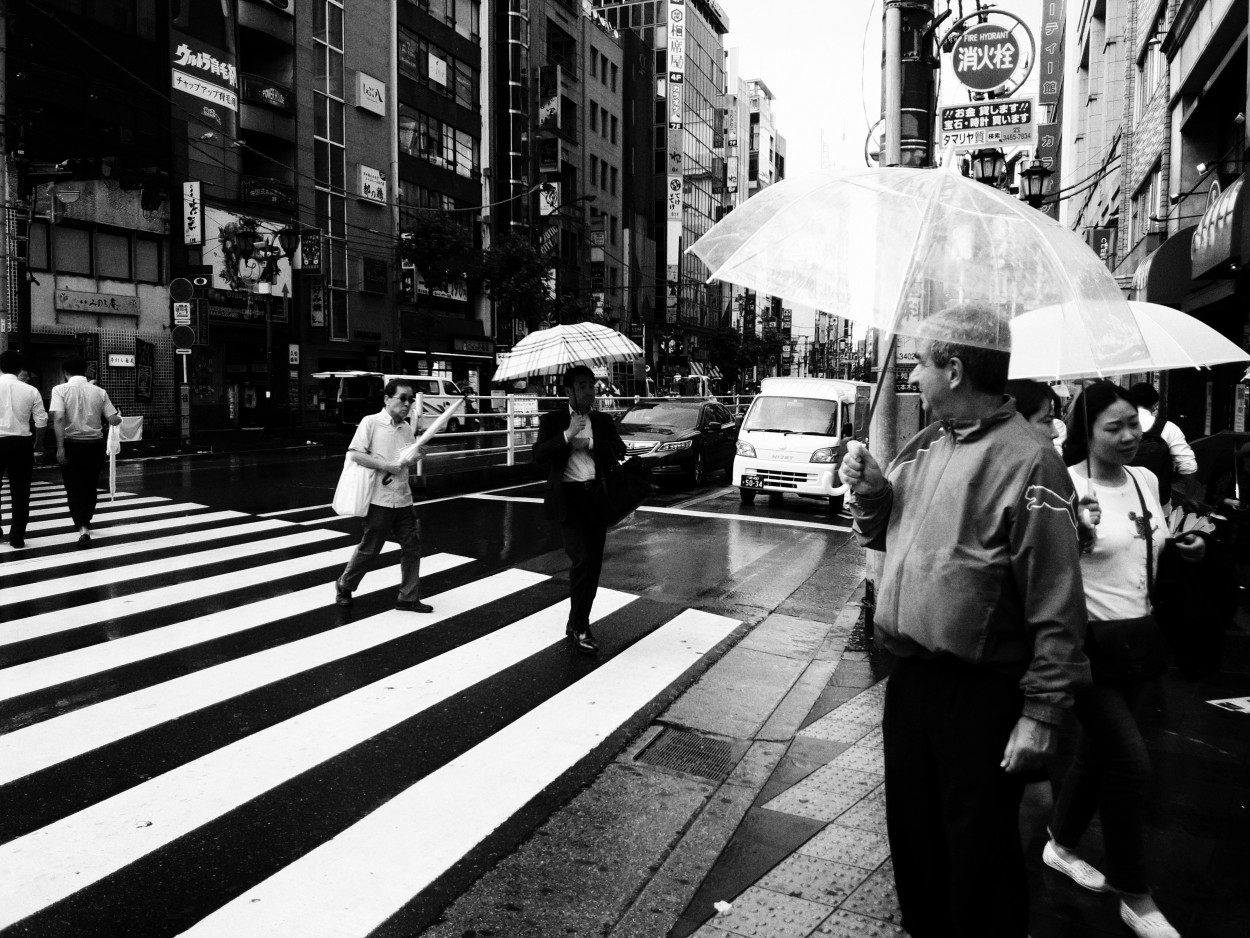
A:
[695,368]
[1222,239]
[714,373]
[1164,277]
[438,354]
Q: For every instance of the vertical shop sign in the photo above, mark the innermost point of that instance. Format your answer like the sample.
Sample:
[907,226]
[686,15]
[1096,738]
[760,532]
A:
[1049,83]
[145,370]
[192,213]
[310,252]
[676,86]
[316,301]
[89,342]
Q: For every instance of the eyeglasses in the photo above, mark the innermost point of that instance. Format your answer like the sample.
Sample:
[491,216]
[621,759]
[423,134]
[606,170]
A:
[404,398]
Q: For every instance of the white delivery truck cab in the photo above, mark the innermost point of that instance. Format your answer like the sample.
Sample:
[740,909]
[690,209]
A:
[792,438]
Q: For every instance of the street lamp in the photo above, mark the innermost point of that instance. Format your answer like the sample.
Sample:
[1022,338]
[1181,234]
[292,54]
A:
[1033,183]
[988,166]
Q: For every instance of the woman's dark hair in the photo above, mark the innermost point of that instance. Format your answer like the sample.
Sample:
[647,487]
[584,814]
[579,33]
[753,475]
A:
[1096,397]
[1031,397]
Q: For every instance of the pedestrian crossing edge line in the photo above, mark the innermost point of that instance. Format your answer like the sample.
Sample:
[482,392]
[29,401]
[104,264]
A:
[351,884]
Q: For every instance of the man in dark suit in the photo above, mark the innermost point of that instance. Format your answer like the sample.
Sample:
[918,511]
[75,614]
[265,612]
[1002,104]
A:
[580,447]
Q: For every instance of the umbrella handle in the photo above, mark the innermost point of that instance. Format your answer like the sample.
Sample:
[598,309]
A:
[872,406]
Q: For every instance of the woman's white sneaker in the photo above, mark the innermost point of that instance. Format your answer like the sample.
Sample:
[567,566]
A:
[1151,925]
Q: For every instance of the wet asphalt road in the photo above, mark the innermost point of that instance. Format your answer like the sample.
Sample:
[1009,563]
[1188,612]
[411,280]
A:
[166,662]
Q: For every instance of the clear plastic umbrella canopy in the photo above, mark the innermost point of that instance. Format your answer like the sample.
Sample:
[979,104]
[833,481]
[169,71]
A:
[552,351]
[894,247]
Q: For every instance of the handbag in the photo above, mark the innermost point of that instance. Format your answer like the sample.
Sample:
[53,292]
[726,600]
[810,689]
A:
[627,486]
[355,486]
[1128,649]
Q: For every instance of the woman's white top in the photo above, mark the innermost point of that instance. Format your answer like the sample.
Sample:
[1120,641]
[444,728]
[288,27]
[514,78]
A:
[1115,570]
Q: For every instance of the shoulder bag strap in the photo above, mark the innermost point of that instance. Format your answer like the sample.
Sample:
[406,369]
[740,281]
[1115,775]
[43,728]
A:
[1150,539]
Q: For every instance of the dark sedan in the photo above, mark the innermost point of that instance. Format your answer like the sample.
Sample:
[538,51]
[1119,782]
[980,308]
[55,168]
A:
[691,438]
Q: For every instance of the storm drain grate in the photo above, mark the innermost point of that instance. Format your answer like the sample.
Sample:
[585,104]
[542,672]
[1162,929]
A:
[695,754]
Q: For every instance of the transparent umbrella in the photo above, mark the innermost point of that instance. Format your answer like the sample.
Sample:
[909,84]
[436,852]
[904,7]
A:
[892,247]
[552,351]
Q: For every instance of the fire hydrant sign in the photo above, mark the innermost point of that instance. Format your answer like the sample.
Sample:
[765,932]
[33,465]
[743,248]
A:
[1005,122]
[985,57]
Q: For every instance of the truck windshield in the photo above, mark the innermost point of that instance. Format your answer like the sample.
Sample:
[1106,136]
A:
[793,415]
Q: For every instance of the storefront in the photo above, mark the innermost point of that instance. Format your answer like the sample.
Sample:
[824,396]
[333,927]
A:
[1202,271]
[449,347]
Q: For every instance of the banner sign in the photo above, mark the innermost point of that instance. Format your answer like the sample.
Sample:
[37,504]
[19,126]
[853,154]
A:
[192,213]
[145,371]
[204,74]
[1005,122]
[310,251]
[317,301]
[78,301]
[372,184]
[1050,72]
[370,94]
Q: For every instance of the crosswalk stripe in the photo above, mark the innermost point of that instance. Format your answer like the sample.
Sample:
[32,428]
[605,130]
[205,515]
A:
[45,744]
[56,861]
[103,506]
[114,551]
[82,662]
[105,610]
[351,884]
[126,513]
[166,565]
[120,530]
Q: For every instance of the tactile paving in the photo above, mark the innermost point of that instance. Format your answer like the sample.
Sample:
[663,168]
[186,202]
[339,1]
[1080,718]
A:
[862,759]
[844,924]
[825,801]
[875,896]
[837,731]
[762,913]
[868,814]
[839,778]
[816,880]
[849,845]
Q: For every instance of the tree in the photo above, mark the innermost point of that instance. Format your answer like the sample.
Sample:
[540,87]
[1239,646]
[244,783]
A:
[514,274]
[442,250]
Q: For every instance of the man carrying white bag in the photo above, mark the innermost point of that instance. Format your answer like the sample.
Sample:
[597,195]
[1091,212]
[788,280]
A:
[374,486]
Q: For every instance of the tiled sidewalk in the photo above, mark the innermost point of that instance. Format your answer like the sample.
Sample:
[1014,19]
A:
[839,884]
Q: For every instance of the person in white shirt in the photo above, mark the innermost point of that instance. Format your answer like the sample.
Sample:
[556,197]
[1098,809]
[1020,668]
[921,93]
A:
[19,404]
[1184,462]
[379,440]
[80,410]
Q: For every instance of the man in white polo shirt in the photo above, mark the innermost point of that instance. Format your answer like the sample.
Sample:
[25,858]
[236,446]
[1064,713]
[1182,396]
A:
[80,410]
[19,403]
[377,444]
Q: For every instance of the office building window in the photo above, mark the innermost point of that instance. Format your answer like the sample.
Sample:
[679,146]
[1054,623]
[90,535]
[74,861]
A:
[330,158]
[594,168]
[614,177]
[614,128]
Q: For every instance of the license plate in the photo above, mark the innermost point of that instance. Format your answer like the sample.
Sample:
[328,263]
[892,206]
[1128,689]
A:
[752,482]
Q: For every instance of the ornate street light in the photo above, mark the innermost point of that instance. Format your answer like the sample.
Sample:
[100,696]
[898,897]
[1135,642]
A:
[1033,183]
[988,166]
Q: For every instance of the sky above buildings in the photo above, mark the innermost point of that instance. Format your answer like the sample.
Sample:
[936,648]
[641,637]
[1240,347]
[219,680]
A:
[822,61]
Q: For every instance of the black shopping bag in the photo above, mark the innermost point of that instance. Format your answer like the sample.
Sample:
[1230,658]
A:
[626,489]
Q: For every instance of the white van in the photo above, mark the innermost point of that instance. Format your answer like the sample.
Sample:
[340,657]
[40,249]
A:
[790,439]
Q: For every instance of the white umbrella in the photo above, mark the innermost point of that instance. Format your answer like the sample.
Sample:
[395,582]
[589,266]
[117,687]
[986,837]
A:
[1042,345]
[553,351]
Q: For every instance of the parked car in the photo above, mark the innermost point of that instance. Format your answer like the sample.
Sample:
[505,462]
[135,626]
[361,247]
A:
[690,438]
[357,393]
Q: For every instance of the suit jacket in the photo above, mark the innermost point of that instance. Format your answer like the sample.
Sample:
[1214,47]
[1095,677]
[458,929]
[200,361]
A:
[552,450]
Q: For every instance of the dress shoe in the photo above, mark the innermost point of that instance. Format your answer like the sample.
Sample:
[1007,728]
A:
[1078,871]
[342,597]
[16,542]
[415,606]
[582,641]
[1150,925]
[84,539]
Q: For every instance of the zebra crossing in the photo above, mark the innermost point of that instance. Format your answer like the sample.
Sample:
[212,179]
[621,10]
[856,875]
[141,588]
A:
[195,741]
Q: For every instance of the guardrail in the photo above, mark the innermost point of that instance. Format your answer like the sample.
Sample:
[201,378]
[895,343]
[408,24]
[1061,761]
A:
[495,435]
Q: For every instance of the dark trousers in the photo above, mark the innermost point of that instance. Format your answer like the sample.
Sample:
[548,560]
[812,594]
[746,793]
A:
[383,524]
[84,459]
[17,462]
[584,536]
[951,811]
[1110,774]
